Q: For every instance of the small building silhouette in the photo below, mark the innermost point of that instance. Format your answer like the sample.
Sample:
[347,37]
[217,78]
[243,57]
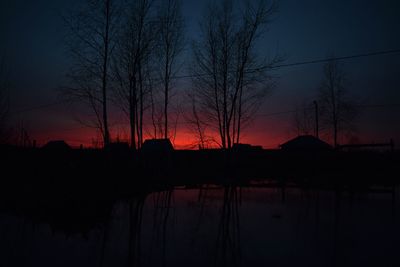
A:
[157,145]
[57,145]
[306,142]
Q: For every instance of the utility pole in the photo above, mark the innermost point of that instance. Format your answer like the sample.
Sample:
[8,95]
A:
[316,119]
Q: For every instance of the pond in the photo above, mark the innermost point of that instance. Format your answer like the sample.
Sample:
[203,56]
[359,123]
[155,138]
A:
[217,226]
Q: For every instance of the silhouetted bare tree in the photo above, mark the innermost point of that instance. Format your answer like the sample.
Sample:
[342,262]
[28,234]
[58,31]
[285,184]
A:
[132,71]
[170,46]
[197,126]
[337,109]
[4,101]
[93,32]
[304,119]
[230,78]
[21,134]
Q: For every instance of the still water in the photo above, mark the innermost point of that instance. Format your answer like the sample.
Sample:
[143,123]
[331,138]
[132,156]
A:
[215,226]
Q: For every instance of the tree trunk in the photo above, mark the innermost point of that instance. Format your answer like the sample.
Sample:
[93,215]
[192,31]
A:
[132,109]
[141,105]
[153,119]
[166,95]
[104,78]
[335,134]
[239,119]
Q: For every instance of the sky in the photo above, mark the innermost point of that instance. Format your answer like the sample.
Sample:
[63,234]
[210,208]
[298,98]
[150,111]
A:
[33,36]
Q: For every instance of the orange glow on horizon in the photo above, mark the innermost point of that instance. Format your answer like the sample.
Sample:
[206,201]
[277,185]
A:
[269,134]
[184,140]
[89,138]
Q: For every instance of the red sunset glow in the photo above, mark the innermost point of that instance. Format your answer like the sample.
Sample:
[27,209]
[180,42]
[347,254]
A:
[184,140]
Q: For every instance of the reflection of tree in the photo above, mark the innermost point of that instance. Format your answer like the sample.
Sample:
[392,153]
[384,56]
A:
[135,227]
[203,215]
[134,218]
[161,216]
[228,241]
[202,197]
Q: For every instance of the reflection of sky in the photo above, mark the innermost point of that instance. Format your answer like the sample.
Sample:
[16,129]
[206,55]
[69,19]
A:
[301,30]
[306,230]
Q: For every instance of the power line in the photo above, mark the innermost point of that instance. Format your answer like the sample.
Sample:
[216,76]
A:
[379,106]
[316,61]
[312,108]
[294,64]
[300,63]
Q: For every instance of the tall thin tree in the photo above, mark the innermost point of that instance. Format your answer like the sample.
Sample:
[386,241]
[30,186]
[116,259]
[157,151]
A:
[131,66]
[4,101]
[303,120]
[338,109]
[93,32]
[170,46]
[230,78]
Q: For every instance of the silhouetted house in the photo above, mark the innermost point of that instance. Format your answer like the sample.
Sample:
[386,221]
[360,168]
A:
[245,147]
[157,145]
[57,145]
[306,142]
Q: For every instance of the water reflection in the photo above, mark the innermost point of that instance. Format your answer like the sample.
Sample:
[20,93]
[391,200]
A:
[213,226]
[162,209]
[135,225]
[228,238]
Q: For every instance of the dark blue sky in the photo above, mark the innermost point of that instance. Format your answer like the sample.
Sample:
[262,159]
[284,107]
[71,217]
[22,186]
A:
[32,37]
